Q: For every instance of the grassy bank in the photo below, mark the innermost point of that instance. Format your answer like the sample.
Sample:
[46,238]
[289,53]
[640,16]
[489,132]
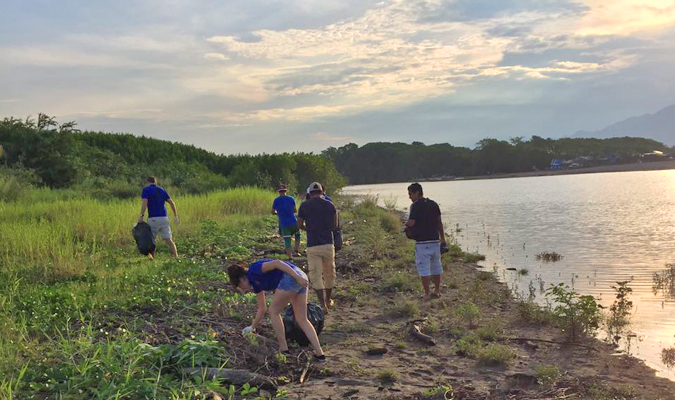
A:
[98,321]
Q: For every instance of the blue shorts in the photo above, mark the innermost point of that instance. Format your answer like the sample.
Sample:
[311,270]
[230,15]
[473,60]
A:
[428,259]
[289,283]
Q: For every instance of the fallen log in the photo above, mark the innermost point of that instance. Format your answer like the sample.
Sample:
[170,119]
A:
[234,376]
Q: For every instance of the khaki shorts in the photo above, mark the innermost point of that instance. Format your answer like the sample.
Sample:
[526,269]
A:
[160,225]
[321,260]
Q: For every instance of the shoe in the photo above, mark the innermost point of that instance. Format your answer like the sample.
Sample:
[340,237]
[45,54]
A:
[320,359]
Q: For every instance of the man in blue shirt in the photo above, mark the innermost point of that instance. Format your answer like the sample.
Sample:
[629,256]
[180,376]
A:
[284,207]
[153,199]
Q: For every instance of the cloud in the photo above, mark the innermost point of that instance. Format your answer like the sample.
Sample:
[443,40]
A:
[624,17]
[327,137]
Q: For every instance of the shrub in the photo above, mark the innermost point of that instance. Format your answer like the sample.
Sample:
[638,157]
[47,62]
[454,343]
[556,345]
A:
[489,332]
[469,312]
[391,222]
[390,202]
[375,239]
[405,309]
[401,282]
[619,313]
[387,376]
[576,315]
[438,392]
[468,346]
[535,314]
[496,354]
[547,374]
[549,256]
[473,257]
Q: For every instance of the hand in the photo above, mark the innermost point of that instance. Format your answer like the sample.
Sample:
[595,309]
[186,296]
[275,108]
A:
[302,281]
[140,219]
[176,220]
[247,331]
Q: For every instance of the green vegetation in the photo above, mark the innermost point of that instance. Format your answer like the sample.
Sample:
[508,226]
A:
[547,374]
[578,316]
[496,354]
[549,256]
[438,392]
[468,312]
[401,162]
[387,376]
[85,317]
[109,166]
[618,319]
[405,308]
[468,345]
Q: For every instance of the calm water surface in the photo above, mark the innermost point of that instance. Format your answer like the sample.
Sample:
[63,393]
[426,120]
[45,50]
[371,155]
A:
[609,227]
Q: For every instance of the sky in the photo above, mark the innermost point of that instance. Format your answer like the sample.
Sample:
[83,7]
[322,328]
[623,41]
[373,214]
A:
[272,76]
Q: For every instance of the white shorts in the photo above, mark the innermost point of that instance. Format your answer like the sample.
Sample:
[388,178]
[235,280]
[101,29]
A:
[428,258]
[160,225]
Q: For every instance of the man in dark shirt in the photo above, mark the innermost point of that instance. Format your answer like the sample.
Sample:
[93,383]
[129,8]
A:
[427,228]
[153,198]
[319,218]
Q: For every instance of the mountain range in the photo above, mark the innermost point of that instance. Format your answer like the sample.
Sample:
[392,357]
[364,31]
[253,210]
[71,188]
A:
[658,126]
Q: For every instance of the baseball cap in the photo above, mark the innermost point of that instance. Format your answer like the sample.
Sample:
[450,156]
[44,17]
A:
[315,187]
[281,188]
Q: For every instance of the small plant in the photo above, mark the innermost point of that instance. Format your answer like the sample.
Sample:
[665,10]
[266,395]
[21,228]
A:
[391,222]
[390,202]
[387,376]
[549,256]
[280,357]
[533,313]
[668,357]
[400,282]
[468,346]
[438,392]
[490,332]
[496,354]
[665,281]
[523,272]
[247,389]
[619,312]
[469,312]
[400,345]
[473,257]
[547,374]
[577,315]
[405,309]
[431,328]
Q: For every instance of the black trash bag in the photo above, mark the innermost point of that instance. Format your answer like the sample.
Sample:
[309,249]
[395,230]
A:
[143,236]
[293,331]
[337,239]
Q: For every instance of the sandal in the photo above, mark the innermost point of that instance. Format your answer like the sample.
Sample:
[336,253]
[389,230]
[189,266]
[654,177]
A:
[320,359]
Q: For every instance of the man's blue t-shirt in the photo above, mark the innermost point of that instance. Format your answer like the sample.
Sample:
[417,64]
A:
[156,197]
[263,281]
[284,206]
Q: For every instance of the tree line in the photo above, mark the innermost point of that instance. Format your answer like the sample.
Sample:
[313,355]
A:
[43,152]
[398,162]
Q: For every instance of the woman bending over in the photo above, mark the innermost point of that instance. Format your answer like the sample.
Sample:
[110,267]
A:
[290,285]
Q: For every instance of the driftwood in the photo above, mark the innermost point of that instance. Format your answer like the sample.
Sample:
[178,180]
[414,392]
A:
[416,332]
[234,376]
[303,376]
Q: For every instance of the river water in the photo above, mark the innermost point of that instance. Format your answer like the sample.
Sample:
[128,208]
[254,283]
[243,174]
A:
[609,227]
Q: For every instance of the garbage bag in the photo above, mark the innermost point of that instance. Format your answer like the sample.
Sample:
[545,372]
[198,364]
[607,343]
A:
[293,331]
[337,239]
[143,236]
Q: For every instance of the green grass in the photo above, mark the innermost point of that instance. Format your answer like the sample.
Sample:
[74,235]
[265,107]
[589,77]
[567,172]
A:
[547,374]
[387,376]
[405,308]
[496,354]
[76,298]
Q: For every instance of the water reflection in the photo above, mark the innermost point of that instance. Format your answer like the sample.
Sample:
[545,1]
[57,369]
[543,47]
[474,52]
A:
[608,227]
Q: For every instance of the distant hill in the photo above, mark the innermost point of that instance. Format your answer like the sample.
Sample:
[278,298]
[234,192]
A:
[659,126]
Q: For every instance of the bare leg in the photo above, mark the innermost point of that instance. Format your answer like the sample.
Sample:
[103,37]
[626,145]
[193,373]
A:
[299,302]
[289,253]
[328,297]
[425,285]
[436,279]
[322,300]
[280,300]
[172,246]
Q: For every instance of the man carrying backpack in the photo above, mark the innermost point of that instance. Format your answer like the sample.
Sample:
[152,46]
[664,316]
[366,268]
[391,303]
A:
[153,199]
[425,226]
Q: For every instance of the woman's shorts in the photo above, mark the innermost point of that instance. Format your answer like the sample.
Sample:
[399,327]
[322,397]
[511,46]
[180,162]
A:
[289,283]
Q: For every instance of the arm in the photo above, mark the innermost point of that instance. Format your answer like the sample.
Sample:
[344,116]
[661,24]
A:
[285,268]
[410,223]
[441,231]
[173,207]
[301,224]
[274,212]
[335,220]
[260,312]
[144,206]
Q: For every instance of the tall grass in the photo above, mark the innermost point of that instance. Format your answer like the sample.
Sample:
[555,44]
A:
[56,236]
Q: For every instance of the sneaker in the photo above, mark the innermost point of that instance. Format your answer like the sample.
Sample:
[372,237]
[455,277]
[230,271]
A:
[320,359]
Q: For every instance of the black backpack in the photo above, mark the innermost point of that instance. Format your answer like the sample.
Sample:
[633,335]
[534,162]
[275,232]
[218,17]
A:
[143,236]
